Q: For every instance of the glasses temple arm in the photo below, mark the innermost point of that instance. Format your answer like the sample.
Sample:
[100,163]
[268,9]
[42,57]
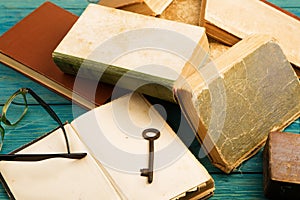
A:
[51,113]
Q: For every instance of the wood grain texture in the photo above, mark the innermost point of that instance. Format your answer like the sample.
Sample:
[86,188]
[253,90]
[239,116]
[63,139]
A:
[244,183]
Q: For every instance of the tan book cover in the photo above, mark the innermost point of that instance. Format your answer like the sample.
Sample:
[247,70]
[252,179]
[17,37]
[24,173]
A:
[146,7]
[131,50]
[233,20]
[236,100]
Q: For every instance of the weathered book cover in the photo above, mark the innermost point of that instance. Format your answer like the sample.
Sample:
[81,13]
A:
[131,50]
[281,166]
[146,7]
[233,20]
[234,101]
[27,48]
[186,11]
[189,11]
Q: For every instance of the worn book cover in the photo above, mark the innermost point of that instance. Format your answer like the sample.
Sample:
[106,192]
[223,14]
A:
[233,20]
[281,166]
[233,102]
[146,7]
[189,12]
[112,135]
[131,50]
[27,48]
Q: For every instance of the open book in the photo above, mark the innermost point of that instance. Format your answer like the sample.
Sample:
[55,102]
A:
[112,136]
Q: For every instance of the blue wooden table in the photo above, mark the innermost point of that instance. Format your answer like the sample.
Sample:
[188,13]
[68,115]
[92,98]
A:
[244,183]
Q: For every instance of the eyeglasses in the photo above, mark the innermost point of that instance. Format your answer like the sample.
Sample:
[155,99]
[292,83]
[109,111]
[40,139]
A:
[14,110]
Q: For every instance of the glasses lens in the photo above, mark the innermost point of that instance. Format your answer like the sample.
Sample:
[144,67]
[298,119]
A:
[16,109]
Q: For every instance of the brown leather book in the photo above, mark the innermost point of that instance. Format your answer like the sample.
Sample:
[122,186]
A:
[282,166]
[27,48]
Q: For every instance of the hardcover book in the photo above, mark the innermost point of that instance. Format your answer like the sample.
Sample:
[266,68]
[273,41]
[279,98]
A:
[131,50]
[233,20]
[281,166]
[27,48]
[186,11]
[237,99]
[117,151]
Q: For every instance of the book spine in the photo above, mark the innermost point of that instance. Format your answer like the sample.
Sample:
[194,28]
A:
[132,80]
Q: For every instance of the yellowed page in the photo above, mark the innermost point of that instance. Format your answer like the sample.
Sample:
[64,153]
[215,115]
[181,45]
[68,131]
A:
[57,178]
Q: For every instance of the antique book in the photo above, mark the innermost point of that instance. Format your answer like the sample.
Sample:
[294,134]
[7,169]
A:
[234,101]
[232,20]
[146,7]
[281,166]
[112,135]
[188,11]
[131,50]
[27,48]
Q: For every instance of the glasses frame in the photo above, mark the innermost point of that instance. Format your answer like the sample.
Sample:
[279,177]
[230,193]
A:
[34,157]
[5,108]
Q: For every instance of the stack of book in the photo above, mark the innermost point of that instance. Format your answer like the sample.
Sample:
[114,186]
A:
[234,78]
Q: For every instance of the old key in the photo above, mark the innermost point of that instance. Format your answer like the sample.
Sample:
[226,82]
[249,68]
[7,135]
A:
[150,134]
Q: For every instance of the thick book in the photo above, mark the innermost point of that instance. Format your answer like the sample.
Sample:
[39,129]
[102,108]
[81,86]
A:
[131,50]
[237,99]
[281,166]
[185,11]
[112,135]
[146,7]
[231,20]
[188,11]
[27,48]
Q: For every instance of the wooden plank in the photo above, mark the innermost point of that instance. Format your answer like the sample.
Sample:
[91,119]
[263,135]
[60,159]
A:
[238,186]
[10,81]
[286,4]
[234,186]
[24,4]
[13,11]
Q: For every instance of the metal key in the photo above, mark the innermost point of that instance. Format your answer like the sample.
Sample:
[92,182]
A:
[150,134]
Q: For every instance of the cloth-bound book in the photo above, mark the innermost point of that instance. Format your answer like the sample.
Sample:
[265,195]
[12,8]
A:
[112,135]
[230,20]
[27,48]
[237,99]
[131,50]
